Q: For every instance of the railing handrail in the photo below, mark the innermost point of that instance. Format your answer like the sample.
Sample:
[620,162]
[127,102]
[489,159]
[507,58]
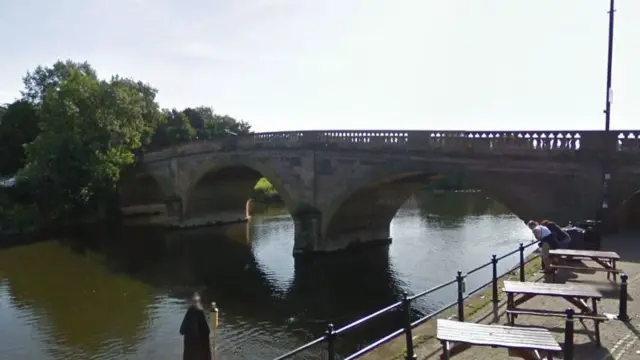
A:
[408,299]
[404,137]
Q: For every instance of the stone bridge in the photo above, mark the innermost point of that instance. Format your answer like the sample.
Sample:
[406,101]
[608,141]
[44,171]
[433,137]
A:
[343,188]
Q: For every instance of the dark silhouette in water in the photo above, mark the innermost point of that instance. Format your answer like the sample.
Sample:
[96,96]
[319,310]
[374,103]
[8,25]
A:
[195,331]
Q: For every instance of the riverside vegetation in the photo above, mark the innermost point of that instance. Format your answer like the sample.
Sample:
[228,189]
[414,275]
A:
[70,135]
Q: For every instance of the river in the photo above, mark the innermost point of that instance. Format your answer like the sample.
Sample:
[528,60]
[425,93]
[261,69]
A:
[109,293]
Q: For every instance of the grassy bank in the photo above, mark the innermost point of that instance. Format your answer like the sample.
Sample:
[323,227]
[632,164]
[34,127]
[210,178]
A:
[264,192]
[473,306]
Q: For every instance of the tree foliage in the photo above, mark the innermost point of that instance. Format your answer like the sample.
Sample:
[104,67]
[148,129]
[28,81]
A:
[18,126]
[89,129]
[72,134]
[200,123]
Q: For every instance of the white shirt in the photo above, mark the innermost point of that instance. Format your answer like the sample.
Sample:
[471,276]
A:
[541,231]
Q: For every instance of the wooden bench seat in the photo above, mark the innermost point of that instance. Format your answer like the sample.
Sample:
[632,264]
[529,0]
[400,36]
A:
[539,312]
[558,266]
[526,343]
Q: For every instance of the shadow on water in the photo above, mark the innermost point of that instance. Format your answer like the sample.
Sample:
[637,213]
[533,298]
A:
[119,292]
[450,209]
[120,272]
[73,301]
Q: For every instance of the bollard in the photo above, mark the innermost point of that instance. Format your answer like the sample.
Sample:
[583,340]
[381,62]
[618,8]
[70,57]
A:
[494,265]
[461,290]
[568,335]
[622,310]
[406,308]
[331,346]
[214,327]
[521,248]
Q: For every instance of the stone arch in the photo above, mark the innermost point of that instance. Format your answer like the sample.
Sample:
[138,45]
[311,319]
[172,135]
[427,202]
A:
[223,185]
[363,212]
[627,212]
[144,188]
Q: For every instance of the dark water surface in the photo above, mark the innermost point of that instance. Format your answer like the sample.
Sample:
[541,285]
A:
[119,294]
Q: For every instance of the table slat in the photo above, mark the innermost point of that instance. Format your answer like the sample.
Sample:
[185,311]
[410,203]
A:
[538,288]
[586,253]
[496,335]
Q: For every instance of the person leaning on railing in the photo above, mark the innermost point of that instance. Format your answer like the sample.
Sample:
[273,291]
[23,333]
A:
[564,239]
[548,241]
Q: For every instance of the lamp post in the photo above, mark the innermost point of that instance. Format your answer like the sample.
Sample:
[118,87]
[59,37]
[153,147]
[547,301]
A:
[606,176]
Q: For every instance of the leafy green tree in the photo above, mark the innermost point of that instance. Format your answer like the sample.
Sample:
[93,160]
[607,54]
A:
[174,129]
[209,126]
[18,126]
[88,131]
[37,82]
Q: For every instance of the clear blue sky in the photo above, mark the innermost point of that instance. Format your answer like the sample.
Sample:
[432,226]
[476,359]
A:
[348,64]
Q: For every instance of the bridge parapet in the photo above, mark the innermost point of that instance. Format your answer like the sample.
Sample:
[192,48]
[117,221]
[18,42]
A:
[530,143]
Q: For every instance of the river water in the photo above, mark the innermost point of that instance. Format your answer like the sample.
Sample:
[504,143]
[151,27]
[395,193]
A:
[110,293]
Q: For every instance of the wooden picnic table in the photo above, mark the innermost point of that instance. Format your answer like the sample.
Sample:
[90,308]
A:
[526,343]
[576,294]
[606,259]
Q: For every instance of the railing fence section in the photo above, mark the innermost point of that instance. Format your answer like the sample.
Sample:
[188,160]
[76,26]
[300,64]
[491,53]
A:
[405,307]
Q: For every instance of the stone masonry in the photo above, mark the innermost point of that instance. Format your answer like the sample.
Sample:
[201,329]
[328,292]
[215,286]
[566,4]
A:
[343,188]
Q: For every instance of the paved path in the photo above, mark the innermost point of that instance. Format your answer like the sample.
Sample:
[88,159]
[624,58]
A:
[619,340]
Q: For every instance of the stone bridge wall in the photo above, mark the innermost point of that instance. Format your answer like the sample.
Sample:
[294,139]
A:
[344,187]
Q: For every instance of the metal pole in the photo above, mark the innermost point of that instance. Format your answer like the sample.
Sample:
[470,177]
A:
[607,122]
[214,328]
[607,110]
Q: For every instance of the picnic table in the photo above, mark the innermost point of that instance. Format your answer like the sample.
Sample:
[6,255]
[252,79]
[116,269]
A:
[525,343]
[576,294]
[606,259]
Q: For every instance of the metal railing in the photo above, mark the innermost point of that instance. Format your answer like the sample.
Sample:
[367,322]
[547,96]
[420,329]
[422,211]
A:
[404,305]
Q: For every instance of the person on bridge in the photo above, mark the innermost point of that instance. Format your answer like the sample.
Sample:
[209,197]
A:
[195,330]
[548,241]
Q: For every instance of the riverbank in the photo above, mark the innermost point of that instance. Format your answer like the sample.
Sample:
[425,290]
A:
[475,307]
[620,340]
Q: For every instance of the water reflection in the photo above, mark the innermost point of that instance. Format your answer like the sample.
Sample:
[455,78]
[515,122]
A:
[81,307]
[450,209]
[115,293]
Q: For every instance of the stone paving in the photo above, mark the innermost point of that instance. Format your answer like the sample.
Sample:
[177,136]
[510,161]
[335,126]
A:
[619,340]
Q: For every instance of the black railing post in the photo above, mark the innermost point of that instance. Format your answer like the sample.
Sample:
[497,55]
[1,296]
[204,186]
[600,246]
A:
[494,265]
[622,310]
[521,248]
[406,308]
[331,342]
[568,335]
[460,280]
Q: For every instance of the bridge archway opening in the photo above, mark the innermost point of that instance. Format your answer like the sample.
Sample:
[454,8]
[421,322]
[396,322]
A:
[231,193]
[142,195]
[366,214]
[629,215]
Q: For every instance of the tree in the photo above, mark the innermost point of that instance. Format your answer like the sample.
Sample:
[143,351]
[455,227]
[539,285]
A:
[175,129]
[209,126]
[18,127]
[89,130]
[201,123]
[39,80]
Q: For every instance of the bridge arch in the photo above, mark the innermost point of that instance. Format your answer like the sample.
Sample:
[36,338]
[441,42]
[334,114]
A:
[627,213]
[144,188]
[364,212]
[224,185]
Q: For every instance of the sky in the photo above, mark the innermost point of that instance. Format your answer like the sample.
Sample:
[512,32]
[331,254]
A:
[348,64]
